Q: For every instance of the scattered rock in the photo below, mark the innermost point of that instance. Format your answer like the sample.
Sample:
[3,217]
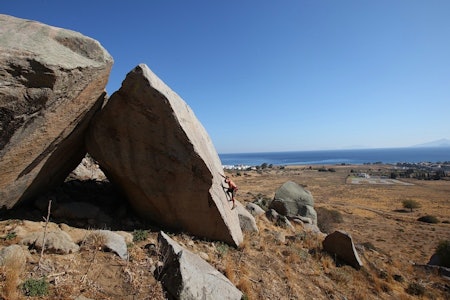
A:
[186,276]
[272,215]
[254,209]
[52,83]
[149,142]
[340,243]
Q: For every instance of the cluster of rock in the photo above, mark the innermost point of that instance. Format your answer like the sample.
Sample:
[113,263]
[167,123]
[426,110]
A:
[292,202]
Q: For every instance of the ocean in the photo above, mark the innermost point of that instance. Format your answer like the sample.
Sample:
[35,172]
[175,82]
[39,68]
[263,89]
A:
[334,157]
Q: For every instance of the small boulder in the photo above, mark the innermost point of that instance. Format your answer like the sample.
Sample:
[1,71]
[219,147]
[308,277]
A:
[186,276]
[340,243]
[109,240]
[254,209]
[58,242]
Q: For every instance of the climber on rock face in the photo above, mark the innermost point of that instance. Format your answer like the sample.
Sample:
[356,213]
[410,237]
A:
[231,190]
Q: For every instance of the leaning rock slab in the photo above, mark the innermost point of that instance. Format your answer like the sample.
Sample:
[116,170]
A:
[52,81]
[149,142]
[186,276]
[341,244]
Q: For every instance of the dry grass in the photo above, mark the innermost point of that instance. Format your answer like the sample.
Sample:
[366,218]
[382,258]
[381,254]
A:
[10,273]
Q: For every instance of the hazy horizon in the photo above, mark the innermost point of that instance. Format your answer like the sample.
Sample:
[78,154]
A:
[289,76]
[422,145]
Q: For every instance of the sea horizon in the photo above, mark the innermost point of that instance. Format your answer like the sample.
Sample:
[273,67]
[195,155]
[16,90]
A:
[339,156]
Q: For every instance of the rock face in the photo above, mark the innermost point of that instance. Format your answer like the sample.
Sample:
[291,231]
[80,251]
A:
[186,276]
[340,243]
[291,200]
[149,142]
[52,81]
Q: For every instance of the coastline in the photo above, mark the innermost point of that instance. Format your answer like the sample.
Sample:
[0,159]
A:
[390,156]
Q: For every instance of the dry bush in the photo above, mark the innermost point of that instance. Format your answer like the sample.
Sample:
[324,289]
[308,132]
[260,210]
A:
[229,269]
[93,241]
[380,286]
[443,250]
[12,268]
[245,286]
[327,263]
[341,275]
[428,219]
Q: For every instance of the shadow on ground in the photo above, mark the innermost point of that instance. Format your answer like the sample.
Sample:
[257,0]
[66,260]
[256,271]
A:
[84,204]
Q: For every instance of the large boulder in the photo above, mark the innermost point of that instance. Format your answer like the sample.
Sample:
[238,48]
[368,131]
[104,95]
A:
[149,142]
[186,276]
[52,81]
[292,200]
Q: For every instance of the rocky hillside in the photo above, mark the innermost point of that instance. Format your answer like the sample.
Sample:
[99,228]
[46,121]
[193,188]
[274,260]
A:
[150,216]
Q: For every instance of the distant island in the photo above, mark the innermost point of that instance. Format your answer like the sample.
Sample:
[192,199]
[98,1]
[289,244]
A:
[437,143]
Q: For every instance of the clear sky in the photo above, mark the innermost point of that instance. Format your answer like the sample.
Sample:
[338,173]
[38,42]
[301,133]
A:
[281,75]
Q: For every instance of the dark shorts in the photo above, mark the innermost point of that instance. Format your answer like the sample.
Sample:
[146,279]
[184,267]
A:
[232,190]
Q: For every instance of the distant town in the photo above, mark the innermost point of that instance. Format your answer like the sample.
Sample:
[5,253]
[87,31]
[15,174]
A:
[421,170]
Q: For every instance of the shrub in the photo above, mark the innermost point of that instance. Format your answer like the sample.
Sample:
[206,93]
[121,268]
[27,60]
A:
[410,204]
[428,219]
[10,236]
[415,289]
[443,251]
[140,235]
[222,248]
[35,287]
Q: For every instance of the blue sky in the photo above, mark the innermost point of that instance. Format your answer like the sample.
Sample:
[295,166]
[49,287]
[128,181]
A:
[286,75]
